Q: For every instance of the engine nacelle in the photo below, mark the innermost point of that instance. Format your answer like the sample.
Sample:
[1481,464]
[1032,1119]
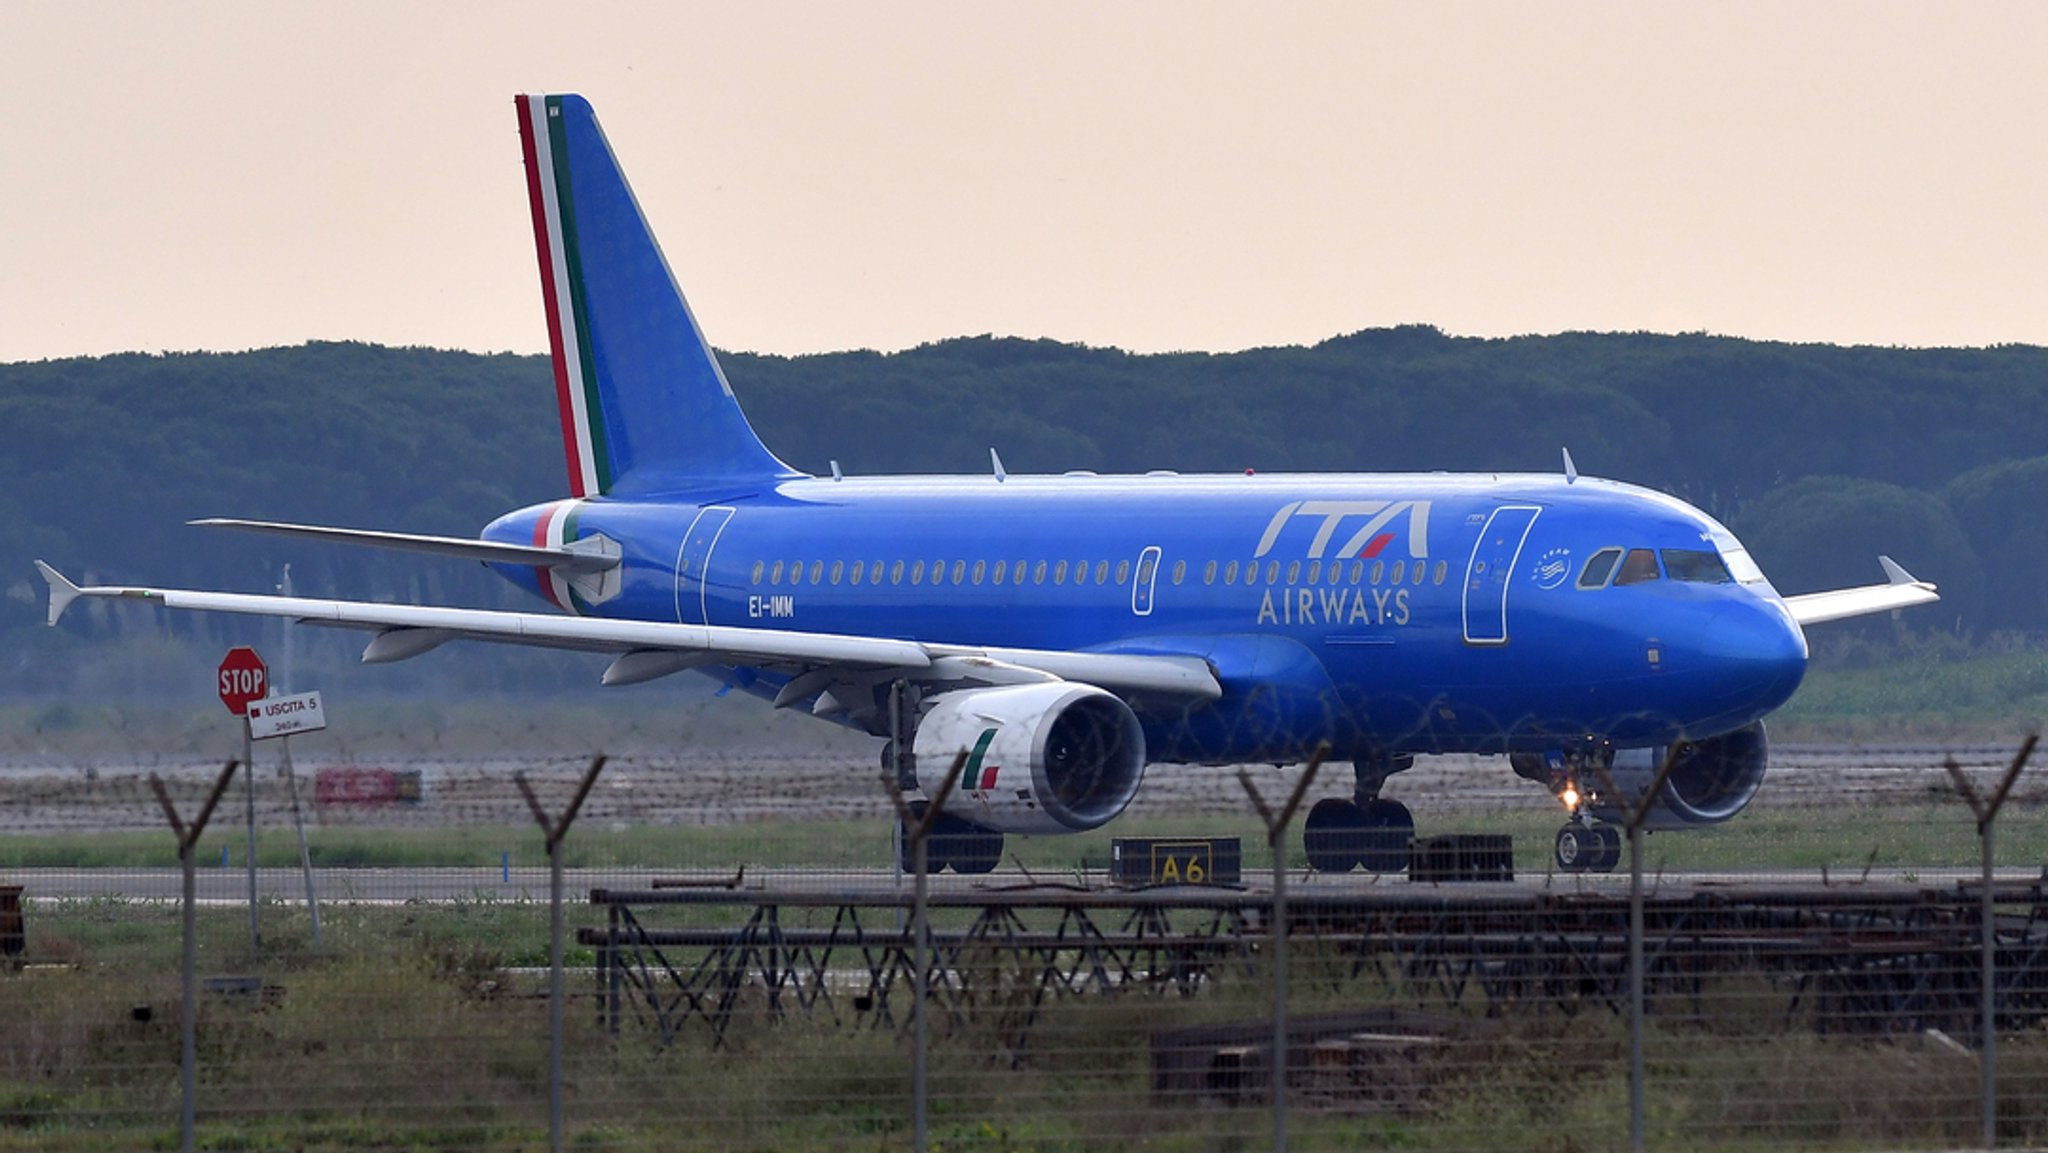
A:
[1713,780]
[1041,758]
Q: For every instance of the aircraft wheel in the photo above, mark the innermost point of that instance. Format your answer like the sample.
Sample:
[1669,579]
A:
[1389,827]
[906,858]
[953,842]
[1334,836]
[1610,849]
[1578,846]
[978,852]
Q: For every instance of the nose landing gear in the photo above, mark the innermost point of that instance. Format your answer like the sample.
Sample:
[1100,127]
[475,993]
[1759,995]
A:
[1584,847]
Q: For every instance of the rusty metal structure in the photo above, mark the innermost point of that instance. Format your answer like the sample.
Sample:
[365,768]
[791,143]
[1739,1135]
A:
[1836,958]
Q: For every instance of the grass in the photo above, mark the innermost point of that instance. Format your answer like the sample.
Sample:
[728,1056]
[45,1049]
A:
[404,1030]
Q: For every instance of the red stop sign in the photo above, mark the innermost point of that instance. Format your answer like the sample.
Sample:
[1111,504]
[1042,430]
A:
[243,678]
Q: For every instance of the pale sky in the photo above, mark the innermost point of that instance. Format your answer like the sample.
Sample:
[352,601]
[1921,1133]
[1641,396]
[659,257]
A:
[1150,176]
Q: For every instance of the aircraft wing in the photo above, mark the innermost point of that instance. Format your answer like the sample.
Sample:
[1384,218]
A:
[1900,591]
[651,648]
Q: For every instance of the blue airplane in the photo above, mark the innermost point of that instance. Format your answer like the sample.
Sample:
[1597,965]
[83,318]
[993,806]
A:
[1062,633]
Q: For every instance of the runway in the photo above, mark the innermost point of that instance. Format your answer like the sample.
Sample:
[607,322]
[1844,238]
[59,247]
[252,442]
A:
[443,885]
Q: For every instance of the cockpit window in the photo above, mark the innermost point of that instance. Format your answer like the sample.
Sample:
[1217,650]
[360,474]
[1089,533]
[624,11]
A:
[1598,568]
[1740,566]
[1700,565]
[1640,565]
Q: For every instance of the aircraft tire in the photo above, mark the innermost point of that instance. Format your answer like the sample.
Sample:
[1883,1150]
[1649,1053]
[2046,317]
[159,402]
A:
[977,852]
[1577,847]
[1389,827]
[1334,835]
[1610,849]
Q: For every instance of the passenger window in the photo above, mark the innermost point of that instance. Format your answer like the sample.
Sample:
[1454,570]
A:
[1230,573]
[1272,572]
[1400,570]
[875,573]
[1443,569]
[860,568]
[1002,569]
[896,573]
[1315,571]
[838,570]
[817,571]
[1101,571]
[776,574]
[1038,573]
[917,573]
[1294,572]
[1209,573]
[1640,565]
[1598,568]
[1697,565]
[980,570]
[1379,569]
[959,570]
[758,567]
[1180,571]
[1059,573]
[1123,571]
[1357,571]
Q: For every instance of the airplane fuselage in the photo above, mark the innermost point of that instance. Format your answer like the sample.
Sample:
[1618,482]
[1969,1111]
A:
[1382,613]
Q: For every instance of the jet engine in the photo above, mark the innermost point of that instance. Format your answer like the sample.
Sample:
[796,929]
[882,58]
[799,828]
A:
[1712,781]
[1052,757]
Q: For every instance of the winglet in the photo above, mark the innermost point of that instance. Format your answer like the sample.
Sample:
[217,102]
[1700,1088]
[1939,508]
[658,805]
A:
[62,591]
[1897,574]
[1571,471]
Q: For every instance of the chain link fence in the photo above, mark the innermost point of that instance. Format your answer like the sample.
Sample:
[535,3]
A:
[744,963]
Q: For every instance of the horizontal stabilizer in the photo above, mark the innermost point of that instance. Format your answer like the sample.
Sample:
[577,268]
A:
[1899,591]
[571,560]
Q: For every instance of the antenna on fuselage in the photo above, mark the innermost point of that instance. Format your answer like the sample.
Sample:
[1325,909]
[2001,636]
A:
[836,474]
[1571,471]
[997,461]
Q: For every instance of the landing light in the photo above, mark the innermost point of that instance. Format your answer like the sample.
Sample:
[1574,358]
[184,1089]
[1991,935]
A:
[1570,797]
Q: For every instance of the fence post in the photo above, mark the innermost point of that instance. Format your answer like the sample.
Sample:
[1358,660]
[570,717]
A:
[249,807]
[918,830]
[554,830]
[1633,822]
[1986,812]
[1276,837]
[188,1058]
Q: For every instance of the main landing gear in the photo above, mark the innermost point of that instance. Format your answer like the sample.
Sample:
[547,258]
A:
[1342,833]
[954,842]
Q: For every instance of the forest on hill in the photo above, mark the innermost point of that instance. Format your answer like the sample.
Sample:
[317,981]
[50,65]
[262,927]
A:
[1819,456]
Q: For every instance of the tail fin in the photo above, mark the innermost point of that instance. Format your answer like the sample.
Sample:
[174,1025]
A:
[645,407]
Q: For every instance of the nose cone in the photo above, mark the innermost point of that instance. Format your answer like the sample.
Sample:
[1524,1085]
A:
[1756,655]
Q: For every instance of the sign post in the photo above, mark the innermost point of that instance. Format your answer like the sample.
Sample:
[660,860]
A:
[243,677]
[281,717]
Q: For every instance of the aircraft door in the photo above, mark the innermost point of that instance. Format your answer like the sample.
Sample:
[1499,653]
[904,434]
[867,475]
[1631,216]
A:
[1142,584]
[1487,573]
[693,564]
